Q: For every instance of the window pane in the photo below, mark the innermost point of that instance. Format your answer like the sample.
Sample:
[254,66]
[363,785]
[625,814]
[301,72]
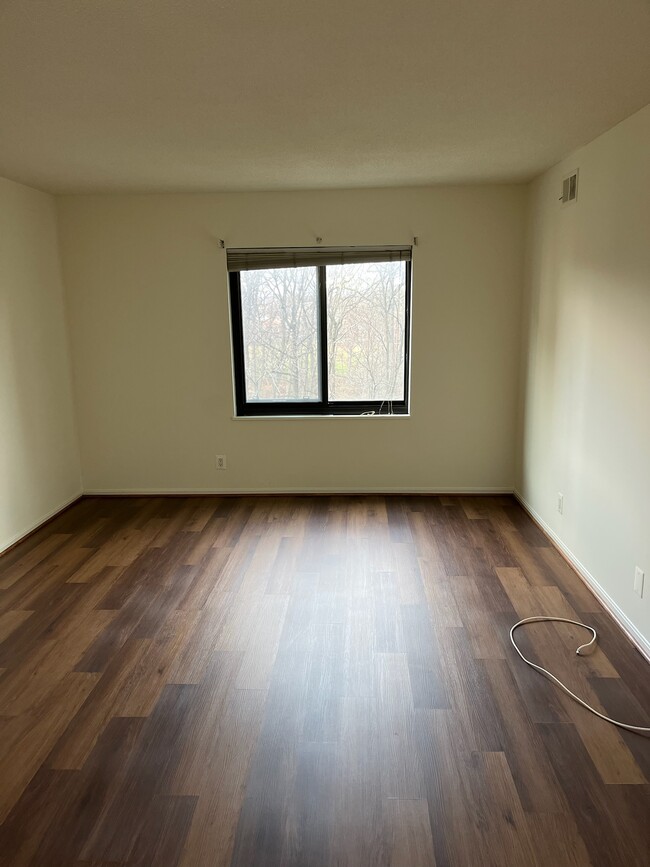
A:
[280,324]
[365,331]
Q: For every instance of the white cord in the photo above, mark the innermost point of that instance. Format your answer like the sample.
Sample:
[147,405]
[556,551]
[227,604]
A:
[589,646]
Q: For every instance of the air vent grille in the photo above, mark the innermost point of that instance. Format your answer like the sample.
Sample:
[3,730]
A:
[569,188]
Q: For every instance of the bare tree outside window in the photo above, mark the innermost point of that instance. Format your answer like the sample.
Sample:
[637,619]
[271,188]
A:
[366,308]
[280,322]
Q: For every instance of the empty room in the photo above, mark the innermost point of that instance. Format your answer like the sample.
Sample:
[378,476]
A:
[324,433]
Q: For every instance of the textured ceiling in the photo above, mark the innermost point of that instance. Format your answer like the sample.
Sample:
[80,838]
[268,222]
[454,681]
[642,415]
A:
[282,94]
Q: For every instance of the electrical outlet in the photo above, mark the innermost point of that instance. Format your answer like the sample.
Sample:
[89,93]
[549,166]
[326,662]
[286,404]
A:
[560,503]
[638,581]
[222,464]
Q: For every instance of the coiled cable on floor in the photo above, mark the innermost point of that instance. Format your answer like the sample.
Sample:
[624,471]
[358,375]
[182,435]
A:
[580,652]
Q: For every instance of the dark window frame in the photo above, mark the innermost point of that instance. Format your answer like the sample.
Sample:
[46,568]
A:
[324,406]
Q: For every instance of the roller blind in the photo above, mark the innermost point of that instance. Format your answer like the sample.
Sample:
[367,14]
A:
[249,259]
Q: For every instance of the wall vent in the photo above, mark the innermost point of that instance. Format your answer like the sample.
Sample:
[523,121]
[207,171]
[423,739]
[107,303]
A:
[569,188]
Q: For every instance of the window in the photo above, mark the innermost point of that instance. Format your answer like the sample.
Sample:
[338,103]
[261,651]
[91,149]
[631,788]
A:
[320,331]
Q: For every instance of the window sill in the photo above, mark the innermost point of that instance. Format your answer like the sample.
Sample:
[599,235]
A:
[314,416]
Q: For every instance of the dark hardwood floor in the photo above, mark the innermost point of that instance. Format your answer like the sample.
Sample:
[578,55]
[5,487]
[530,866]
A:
[310,681]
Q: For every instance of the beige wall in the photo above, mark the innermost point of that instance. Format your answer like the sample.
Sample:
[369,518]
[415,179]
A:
[39,460]
[586,385]
[147,291]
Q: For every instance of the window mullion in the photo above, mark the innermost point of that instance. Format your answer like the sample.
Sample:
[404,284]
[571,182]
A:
[407,330]
[322,334]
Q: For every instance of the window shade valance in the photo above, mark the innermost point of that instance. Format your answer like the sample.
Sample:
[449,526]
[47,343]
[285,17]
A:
[248,259]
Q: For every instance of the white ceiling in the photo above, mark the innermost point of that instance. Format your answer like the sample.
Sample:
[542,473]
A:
[283,94]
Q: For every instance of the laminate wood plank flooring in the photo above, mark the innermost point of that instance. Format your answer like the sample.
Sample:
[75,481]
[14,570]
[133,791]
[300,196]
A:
[310,681]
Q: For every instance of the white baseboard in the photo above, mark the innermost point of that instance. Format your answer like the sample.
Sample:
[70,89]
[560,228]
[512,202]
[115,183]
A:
[9,543]
[251,492]
[636,637]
